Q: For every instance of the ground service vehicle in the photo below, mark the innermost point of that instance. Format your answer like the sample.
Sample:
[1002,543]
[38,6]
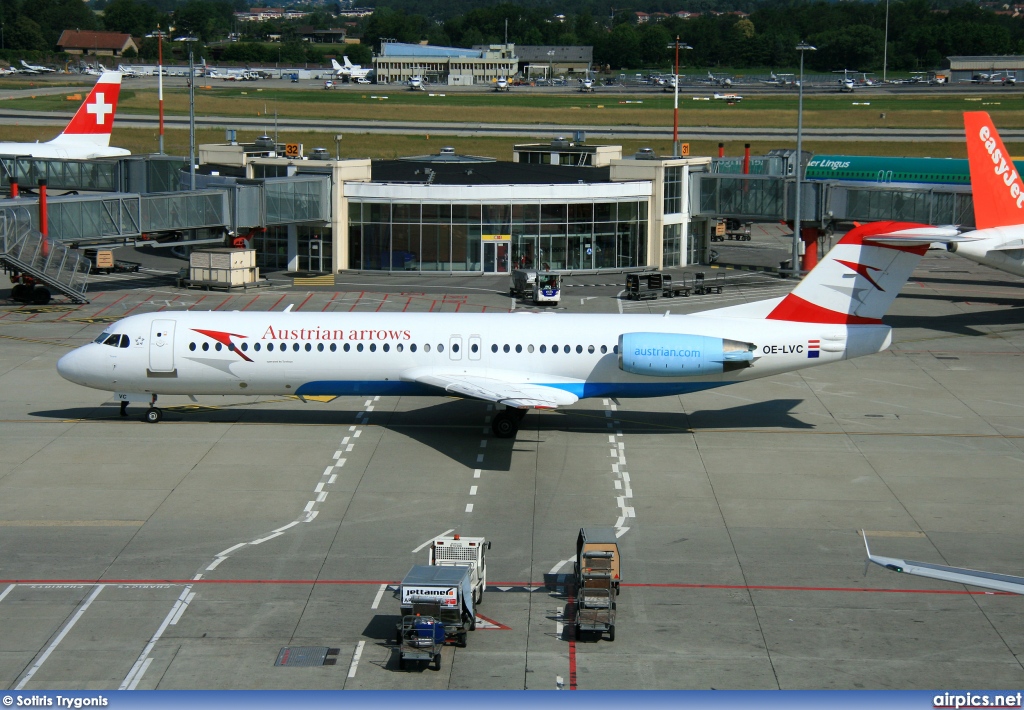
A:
[419,638]
[547,288]
[597,581]
[444,593]
[455,550]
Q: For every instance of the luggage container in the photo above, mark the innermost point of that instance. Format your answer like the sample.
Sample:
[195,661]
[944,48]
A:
[444,593]
[597,581]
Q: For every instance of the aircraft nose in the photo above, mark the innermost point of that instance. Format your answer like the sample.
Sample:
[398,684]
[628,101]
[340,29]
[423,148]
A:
[71,366]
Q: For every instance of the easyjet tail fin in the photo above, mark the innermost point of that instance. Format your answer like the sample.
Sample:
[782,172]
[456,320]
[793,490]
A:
[94,119]
[857,281]
[995,184]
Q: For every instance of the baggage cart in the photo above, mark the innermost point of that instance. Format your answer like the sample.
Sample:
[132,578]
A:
[597,570]
[419,638]
[703,286]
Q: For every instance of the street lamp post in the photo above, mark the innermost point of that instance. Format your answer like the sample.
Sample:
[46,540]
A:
[802,47]
[675,98]
[191,113]
[885,45]
[159,34]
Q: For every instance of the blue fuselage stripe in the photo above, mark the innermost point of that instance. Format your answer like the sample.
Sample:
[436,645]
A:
[582,390]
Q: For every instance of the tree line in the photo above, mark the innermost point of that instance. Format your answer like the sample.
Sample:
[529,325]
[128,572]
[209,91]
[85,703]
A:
[848,35]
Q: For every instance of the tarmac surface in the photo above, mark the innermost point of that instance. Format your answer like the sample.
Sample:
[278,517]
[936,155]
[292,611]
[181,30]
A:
[188,554]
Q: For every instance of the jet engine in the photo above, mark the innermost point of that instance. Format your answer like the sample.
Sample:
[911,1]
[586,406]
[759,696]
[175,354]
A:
[676,355]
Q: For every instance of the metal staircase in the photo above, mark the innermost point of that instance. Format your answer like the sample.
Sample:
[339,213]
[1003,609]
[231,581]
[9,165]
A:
[47,263]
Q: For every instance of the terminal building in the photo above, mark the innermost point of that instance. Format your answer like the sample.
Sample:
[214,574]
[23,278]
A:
[449,66]
[454,213]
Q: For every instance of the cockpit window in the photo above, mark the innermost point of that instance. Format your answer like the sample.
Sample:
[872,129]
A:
[114,340]
[125,341]
[101,337]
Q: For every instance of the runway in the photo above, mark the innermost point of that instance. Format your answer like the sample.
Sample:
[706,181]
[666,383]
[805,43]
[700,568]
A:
[189,553]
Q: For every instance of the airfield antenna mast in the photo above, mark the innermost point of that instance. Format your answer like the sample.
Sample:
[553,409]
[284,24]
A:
[802,48]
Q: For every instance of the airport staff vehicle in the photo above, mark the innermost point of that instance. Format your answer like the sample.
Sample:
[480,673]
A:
[87,136]
[597,571]
[998,194]
[458,551]
[443,593]
[26,288]
[520,360]
[419,638]
[547,288]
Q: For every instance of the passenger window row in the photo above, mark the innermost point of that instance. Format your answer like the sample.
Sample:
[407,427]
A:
[386,347]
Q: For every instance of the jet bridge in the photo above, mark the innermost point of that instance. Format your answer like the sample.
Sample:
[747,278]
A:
[769,198]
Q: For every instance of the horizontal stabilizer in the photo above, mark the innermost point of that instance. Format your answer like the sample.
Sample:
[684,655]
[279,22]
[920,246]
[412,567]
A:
[918,236]
[960,575]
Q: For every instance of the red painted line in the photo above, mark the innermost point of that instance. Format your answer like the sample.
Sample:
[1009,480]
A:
[254,299]
[304,302]
[458,306]
[381,304]
[500,625]
[135,306]
[217,307]
[432,304]
[408,302]
[356,302]
[328,304]
[7,314]
[112,304]
[201,299]
[276,302]
[171,301]
[571,608]
[378,582]
[67,313]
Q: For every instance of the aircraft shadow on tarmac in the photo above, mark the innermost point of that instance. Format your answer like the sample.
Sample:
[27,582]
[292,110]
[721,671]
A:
[454,427]
[1009,312]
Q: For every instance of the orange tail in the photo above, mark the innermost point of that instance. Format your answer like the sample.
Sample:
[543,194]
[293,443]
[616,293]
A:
[997,188]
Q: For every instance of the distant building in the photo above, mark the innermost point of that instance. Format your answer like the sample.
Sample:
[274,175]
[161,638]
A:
[331,36]
[547,60]
[452,66]
[966,68]
[101,44]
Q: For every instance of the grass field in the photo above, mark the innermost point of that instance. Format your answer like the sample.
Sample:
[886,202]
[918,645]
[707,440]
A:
[776,110]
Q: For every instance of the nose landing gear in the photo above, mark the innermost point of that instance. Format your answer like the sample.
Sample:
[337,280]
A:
[152,415]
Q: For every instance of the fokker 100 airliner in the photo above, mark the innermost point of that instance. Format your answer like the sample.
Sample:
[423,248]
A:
[520,360]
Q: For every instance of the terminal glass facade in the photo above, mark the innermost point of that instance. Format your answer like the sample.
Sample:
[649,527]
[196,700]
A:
[448,236]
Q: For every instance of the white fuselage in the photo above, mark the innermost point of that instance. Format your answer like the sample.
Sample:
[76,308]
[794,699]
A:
[989,247]
[390,353]
[66,150]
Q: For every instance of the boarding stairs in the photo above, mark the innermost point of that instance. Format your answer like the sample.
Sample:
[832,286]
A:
[24,250]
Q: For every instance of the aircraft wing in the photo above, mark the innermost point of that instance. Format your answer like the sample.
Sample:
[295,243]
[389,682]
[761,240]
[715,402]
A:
[961,575]
[519,395]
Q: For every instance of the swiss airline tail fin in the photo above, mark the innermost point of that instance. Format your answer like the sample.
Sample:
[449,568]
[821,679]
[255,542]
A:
[335,65]
[95,117]
[348,62]
[995,184]
[857,281]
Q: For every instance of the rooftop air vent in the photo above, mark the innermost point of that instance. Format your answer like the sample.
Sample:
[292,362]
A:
[646,154]
[264,142]
[447,150]
[319,154]
[560,142]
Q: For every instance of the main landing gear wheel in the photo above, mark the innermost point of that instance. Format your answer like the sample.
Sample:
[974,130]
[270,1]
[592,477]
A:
[153,415]
[40,295]
[506,422]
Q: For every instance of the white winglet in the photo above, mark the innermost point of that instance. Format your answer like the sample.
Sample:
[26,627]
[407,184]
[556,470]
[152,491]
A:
[961,575]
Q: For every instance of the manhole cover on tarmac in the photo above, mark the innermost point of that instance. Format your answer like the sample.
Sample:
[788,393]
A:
[306,656]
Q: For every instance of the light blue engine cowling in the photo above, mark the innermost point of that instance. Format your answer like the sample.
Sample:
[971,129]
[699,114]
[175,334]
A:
[675,355]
